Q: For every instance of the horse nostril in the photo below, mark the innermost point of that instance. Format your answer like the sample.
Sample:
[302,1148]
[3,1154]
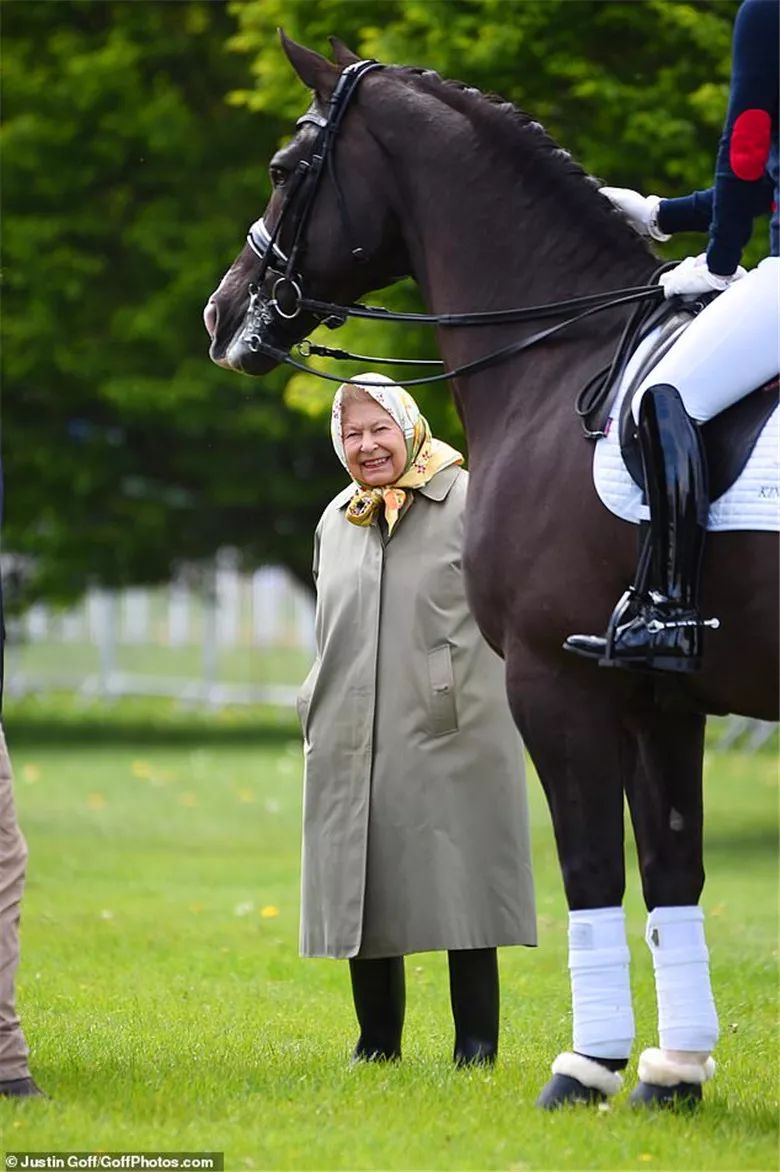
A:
[210,318]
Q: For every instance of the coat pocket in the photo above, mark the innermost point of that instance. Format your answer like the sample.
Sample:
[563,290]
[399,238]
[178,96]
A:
[444,713]
[303,701]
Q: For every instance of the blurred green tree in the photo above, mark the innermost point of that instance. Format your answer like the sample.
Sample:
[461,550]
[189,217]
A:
[135,144]
[127,182]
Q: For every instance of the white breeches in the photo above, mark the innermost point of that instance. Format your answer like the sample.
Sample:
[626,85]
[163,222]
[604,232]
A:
[731,348]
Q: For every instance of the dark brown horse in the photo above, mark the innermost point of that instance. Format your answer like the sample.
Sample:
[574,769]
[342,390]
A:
[479,205]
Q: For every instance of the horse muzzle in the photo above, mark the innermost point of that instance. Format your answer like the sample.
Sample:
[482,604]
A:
[264,335]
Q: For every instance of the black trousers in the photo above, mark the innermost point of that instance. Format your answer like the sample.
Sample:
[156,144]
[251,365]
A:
[379,993]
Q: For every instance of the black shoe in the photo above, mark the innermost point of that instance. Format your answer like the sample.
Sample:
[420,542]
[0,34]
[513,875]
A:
[21,1088]
[657,635]
[658,626]
[473,1052]
[367,1053]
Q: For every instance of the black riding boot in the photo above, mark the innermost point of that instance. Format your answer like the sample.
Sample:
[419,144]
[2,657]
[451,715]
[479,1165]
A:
[656,624]
[474,998]
[379,993]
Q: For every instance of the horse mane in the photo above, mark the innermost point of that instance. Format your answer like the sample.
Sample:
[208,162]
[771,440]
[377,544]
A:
[553,168]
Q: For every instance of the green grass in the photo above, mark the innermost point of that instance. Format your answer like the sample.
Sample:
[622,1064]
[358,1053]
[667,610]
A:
[167,1008]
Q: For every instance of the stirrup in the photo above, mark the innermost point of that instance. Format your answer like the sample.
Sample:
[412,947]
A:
[650,632]
[629,597]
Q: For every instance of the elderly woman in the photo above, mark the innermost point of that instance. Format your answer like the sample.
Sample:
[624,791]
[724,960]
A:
[415,821]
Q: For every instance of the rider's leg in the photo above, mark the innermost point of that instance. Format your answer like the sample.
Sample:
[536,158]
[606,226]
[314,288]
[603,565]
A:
[660,627]
[731,348]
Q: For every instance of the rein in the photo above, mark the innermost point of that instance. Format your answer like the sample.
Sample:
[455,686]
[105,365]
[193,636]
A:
[602,302]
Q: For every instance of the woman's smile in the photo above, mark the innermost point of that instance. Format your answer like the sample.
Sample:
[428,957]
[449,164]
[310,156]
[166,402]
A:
[374,463]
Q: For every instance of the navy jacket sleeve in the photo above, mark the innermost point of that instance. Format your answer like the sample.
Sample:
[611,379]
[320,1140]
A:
[742,189]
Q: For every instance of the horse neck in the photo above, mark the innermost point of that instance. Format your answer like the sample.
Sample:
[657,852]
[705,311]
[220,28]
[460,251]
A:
[483,233]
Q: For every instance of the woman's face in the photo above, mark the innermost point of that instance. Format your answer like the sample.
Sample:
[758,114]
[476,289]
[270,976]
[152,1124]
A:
[373,443]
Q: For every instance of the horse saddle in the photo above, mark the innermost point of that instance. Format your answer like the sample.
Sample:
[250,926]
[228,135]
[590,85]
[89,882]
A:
[729,437]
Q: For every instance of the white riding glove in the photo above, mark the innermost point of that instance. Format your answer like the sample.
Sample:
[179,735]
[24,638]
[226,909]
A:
[641,211]
[691,276]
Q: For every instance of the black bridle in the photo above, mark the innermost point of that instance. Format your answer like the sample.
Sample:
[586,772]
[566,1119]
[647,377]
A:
[304,182]
[302,190]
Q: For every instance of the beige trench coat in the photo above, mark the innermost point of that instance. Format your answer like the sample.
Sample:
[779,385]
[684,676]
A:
[415,832]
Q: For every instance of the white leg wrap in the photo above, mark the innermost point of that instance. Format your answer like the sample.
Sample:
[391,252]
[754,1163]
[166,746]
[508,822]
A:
[663,1071]
[687,1019]
[600,988]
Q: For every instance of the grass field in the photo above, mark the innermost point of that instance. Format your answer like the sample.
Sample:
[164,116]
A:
[167,1008]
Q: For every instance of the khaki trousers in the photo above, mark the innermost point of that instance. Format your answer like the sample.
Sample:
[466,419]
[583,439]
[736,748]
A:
[13,859]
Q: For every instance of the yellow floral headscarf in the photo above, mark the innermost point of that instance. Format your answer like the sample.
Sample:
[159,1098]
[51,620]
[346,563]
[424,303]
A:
[425,456]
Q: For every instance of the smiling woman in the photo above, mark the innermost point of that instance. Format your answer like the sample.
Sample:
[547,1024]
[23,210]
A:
[373,442]
[415,821]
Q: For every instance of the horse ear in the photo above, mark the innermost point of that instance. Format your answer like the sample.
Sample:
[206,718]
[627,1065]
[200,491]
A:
[315,71]
[341,54]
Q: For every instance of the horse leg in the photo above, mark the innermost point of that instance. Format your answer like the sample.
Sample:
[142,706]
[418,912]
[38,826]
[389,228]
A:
[665,800]
[582,752]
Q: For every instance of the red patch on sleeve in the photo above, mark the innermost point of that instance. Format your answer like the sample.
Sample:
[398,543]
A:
[749,146]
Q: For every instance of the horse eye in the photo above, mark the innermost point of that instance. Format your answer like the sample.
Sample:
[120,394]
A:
[278,176]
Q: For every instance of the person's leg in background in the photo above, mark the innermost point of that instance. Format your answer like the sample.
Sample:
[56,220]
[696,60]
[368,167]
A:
[15,1079]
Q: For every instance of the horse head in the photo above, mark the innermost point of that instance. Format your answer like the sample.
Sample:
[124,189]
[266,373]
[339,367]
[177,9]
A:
[330,231]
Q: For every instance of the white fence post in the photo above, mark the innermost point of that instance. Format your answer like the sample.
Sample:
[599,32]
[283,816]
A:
[178,613]
[269,589]
[210,641]
[228,598]
[135,615]
[101,609]
[37,622]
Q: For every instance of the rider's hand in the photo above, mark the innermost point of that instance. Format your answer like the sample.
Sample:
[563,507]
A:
[641,211]
[691,276]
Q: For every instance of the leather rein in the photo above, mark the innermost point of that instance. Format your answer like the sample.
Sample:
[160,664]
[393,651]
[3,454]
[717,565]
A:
[303,186]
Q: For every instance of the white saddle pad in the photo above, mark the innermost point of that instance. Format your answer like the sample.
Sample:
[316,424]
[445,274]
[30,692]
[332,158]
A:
[752,502]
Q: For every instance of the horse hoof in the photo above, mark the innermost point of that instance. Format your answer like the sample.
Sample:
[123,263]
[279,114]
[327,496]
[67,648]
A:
[562,1089]
[683,1096]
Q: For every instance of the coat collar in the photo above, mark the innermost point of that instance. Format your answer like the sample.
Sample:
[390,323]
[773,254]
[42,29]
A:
[436,489]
